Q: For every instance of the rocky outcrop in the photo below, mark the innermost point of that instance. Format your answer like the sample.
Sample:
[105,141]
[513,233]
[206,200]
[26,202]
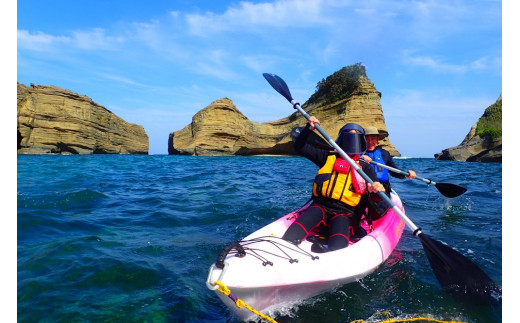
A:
[55,120]
[479,145]
[221,129]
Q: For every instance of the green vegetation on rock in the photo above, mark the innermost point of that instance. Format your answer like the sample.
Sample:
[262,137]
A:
[339,85]
[490,124]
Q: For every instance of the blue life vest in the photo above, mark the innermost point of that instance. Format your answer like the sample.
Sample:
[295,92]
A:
[377,156]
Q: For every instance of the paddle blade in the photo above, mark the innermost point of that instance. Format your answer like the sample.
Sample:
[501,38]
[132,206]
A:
[450,190]
[279,85]
[458,275]
[314,139]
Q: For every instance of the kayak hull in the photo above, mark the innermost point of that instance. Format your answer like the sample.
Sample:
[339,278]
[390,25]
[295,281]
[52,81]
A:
[275,273]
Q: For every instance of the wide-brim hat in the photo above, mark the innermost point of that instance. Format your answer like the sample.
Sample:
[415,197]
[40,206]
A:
[370,130]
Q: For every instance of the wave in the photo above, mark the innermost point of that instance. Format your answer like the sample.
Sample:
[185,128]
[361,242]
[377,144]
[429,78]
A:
[143,230]
[66,199]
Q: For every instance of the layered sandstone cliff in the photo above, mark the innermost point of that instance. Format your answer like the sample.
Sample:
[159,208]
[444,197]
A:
[483,143]
[55,120]
[221,129]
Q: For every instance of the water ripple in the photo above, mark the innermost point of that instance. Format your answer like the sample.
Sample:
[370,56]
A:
[115,238]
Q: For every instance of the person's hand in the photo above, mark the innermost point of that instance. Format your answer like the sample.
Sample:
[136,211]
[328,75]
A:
[411,175]
[367,159]
[312,121]
[376,187]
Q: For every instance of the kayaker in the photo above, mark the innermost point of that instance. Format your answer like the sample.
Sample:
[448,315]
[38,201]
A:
[337,190]
[382,156]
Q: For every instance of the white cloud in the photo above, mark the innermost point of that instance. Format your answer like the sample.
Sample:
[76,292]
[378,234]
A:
[38,41]
[260,63]
[216,63]
[94,39]
[410,103]
[440,65]
[434,64]
[285,13]
[487,62]
[120,79]
[256,63]
[148,34]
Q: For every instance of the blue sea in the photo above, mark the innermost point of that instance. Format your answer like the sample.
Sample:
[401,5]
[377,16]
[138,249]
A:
[130,238]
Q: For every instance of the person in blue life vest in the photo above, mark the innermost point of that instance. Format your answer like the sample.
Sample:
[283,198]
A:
[337,190]
[382,156]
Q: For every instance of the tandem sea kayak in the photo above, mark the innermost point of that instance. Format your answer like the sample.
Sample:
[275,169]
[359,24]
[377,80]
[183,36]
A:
[267,273]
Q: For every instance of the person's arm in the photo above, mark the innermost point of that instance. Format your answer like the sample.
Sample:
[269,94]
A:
[369,170]
[301,140]
[316,155]
[390,162]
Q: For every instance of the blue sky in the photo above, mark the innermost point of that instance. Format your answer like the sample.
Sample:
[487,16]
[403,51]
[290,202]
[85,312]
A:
[437,63]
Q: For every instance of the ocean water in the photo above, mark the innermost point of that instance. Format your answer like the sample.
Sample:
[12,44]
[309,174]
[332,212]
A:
[130,238]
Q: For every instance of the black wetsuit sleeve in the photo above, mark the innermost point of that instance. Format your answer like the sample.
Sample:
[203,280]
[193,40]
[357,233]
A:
[369,170]
[316,155]
[390,162]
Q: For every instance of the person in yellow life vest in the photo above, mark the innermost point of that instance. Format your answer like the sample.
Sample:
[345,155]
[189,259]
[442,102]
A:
[338,188]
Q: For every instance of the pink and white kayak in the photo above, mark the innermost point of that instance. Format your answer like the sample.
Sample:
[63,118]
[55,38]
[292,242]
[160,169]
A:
[268,273]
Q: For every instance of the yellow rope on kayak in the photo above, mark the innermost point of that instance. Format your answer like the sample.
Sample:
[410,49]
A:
[414,319]
[240,303]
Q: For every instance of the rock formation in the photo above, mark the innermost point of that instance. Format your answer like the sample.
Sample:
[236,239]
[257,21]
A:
[54,120]
[221,129]
[480,145]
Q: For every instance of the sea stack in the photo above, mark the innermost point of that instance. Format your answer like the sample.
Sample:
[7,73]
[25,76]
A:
[348,95]
[52,120]
[483,143]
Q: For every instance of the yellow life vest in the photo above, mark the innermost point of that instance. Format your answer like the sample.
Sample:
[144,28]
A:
[337,180]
